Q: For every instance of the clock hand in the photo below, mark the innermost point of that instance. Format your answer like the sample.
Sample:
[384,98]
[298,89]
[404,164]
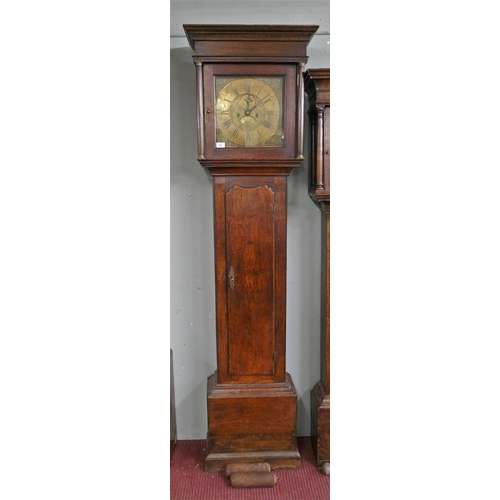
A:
[248,100]
[258,103]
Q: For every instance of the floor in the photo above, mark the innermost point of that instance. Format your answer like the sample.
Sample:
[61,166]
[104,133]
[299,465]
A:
[189,481]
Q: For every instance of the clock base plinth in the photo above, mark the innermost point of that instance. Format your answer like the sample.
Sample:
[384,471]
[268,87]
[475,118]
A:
[250,423]
[320,423]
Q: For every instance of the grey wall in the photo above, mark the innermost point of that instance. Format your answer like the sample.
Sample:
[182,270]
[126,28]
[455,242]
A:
[192,334]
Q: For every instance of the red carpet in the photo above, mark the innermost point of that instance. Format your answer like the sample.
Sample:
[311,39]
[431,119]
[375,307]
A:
[189,481]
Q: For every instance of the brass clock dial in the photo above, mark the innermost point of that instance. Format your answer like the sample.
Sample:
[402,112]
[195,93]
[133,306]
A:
[249,112]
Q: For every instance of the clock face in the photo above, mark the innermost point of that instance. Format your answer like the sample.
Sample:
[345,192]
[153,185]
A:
[249,112]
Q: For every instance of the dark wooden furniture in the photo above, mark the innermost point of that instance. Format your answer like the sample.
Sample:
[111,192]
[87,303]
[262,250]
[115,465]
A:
[317,86]
[250,136]
[173,423]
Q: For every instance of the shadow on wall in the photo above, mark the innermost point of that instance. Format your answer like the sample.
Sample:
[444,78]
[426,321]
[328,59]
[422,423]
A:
[183,126]
[193,407]
[304,414]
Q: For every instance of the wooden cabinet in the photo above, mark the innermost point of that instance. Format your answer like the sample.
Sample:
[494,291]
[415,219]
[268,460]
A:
[250,128]
[317,85]
[173,423]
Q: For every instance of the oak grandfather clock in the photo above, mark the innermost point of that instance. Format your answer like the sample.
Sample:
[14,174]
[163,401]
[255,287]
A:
[250,100]
[317,86]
